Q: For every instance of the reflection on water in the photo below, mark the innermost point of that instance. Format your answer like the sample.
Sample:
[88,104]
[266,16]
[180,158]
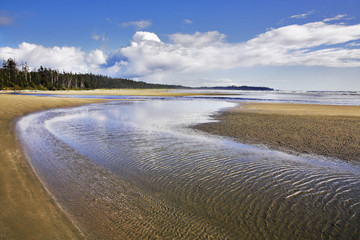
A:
[133,170]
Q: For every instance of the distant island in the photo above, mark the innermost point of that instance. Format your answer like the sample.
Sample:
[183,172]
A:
[12,78]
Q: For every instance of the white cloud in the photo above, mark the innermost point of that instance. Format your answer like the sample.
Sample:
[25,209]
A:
[70,59]
[137,24]
[95,58]
[97,37]
[143,37]
[310,44]
[338,17]
[353,44]
[188,21]
[306,36]
[303,15]
[186,55]
[197,39]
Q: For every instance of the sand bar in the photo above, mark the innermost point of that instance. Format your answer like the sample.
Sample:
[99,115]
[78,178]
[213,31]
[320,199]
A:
[27,210]
[327,130]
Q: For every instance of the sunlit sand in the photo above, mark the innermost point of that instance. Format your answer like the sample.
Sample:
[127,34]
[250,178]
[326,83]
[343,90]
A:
[329,130]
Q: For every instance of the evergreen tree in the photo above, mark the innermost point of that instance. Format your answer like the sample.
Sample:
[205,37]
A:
[48,79]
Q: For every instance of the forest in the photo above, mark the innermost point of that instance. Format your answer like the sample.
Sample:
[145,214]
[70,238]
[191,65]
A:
[15,77]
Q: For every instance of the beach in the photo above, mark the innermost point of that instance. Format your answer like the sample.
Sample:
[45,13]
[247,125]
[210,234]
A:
[28,211]
[327,130]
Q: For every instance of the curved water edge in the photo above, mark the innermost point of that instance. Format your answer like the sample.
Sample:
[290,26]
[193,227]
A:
[135,170]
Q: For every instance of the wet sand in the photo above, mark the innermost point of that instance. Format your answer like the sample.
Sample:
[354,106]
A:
[328,130]
[27,210]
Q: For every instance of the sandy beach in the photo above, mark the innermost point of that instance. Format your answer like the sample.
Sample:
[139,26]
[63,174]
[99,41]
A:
[328,130]
[27,211]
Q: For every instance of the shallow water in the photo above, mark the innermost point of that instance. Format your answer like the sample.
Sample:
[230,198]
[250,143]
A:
[135,170]
[331,98]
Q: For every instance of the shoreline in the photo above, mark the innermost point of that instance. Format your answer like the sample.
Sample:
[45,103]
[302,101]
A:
[27,209]
[123,92]
[326,130]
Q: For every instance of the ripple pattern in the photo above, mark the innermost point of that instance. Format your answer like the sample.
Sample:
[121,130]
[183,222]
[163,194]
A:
[121,176]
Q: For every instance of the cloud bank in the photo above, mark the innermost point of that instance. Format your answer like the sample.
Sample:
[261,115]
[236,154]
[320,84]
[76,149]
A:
[148,57]
[69,59]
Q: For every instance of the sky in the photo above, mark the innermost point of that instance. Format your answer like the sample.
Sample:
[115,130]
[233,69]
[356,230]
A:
[283,44]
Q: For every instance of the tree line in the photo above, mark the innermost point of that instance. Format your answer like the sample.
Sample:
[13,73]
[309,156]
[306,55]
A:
[14,77]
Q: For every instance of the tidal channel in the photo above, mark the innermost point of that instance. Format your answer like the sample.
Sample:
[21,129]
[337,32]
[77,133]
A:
[136,170]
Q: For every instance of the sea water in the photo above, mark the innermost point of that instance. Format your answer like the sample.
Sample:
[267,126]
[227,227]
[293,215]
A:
[331,98]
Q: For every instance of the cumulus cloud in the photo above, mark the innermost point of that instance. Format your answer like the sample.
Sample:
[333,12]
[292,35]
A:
[149,58]
[145,37]
[312,44]
[70,59]
[137,24]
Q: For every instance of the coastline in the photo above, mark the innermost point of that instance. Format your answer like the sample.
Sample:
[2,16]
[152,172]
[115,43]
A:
[125,92]
[27,210]
[327,130]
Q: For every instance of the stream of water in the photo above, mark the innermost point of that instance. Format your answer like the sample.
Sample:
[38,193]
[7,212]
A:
[134,169]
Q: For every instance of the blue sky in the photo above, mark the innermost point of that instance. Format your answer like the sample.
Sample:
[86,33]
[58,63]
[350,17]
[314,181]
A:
[288,45]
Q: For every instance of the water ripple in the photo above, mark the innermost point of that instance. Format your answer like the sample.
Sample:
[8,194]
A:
[119,175]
